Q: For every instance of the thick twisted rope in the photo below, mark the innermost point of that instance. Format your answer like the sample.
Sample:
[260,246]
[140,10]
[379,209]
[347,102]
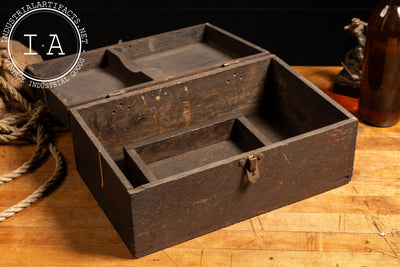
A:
[25,167]
[52,181]
[26,125]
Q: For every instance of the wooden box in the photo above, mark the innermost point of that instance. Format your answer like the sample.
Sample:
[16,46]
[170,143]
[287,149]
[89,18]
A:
[207,145]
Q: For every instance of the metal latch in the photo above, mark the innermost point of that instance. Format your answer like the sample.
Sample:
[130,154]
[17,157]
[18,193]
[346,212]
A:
[251,166]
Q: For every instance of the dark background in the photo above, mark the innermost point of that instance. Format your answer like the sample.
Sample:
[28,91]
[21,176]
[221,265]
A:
[302,32]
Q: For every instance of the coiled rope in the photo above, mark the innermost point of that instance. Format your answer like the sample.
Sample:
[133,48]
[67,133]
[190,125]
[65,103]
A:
[27,125]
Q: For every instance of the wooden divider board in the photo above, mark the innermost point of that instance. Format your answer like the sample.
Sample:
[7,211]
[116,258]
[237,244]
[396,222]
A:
[354,225]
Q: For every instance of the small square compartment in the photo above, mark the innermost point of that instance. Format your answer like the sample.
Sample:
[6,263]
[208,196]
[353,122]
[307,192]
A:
[190,148]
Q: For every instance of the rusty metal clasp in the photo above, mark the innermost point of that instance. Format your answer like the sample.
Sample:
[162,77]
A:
[251,166]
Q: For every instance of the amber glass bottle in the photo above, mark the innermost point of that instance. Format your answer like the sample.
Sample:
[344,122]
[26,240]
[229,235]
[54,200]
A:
[380,83]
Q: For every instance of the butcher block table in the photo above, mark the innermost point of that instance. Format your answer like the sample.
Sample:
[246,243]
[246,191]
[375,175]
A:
[354,225]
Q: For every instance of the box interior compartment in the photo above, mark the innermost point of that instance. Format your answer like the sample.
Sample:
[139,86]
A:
[193,147]
[271,97]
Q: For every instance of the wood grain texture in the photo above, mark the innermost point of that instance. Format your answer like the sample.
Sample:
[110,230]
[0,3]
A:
[354,225]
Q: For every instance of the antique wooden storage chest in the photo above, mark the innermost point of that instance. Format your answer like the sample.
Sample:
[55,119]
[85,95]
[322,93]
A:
[183,133]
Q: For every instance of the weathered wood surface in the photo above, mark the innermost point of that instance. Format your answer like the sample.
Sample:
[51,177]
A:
[354,225]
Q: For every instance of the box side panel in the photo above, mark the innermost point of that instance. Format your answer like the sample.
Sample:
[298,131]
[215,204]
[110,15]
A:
[103,180]
[181,209]
[55,104]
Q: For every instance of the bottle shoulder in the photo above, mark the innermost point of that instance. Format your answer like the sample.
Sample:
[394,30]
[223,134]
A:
[384,21]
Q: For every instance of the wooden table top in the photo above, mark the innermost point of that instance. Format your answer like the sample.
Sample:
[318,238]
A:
[355,225]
